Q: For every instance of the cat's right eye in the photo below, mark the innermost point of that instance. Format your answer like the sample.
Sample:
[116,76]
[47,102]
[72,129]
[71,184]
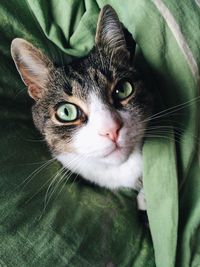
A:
[123,91]
[67,112]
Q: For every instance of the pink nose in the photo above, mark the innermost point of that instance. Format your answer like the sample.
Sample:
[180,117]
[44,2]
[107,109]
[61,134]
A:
[112,131]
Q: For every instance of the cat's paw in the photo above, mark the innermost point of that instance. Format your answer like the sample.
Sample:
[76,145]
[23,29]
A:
[141,201]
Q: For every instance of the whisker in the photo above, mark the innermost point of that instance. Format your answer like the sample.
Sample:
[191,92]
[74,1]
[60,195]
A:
[74,180]
[38,191]
[65,182]
[50,193]
[173,109]
[27,180]
[53,180]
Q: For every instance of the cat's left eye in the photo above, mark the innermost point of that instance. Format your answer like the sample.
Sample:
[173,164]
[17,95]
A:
[67,112]
[123,91]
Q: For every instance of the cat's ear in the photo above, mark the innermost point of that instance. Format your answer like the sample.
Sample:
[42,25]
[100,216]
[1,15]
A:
[33,66]
[109,33]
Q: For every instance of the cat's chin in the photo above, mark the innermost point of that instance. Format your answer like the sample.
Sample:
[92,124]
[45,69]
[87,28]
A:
[119,170]
[116,157]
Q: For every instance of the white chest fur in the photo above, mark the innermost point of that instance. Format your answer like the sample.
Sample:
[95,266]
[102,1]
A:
[126,174]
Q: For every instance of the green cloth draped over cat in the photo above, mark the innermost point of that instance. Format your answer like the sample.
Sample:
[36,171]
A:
[84,225]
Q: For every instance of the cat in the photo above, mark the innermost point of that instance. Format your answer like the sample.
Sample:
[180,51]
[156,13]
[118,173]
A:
[93,112]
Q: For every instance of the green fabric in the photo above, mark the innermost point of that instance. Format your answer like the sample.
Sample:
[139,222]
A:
[84,225]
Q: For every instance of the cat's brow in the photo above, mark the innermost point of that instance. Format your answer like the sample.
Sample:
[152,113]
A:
[67,88]
[97,76]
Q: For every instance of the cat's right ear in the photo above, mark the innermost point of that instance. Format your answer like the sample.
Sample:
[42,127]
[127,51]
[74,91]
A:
[32,65]
[109,33]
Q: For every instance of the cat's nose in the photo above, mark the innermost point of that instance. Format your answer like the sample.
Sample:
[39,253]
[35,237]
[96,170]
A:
[112,131]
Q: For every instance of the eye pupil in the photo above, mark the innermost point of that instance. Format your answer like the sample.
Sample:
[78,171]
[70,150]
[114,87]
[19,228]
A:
[66,111]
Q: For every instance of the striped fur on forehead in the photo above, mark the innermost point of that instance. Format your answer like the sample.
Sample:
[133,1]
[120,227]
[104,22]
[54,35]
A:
[97,76]
[89,80]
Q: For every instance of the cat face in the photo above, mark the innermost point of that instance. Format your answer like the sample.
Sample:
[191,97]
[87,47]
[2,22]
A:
[94,108]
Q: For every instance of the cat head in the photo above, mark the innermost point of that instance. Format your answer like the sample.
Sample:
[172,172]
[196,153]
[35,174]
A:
[97,106]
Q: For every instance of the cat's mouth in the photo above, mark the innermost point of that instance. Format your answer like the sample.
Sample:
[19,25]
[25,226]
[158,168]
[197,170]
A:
[116,151]
[117,154]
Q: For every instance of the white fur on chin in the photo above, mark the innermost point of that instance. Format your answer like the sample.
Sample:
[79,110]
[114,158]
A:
[106,175]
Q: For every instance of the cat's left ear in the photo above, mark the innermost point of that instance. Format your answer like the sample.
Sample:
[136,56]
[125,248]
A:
[109,33]
[33,66]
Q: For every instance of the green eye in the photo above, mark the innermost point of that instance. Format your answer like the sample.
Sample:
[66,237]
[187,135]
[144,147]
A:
[123,90]
[67,112]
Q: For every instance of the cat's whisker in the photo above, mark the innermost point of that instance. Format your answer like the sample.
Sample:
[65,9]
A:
[66,171]
[74,179]
[65,179]
[42,187]
[58,181]
[159,136]
[49,198]
[53,180]
[171,110]
[57,185]
[65,168]
[78,171]
[27,180]
[51,192]
[175,138]
[176,130]
[39,190]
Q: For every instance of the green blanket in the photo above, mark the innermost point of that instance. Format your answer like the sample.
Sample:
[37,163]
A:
[83,225]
